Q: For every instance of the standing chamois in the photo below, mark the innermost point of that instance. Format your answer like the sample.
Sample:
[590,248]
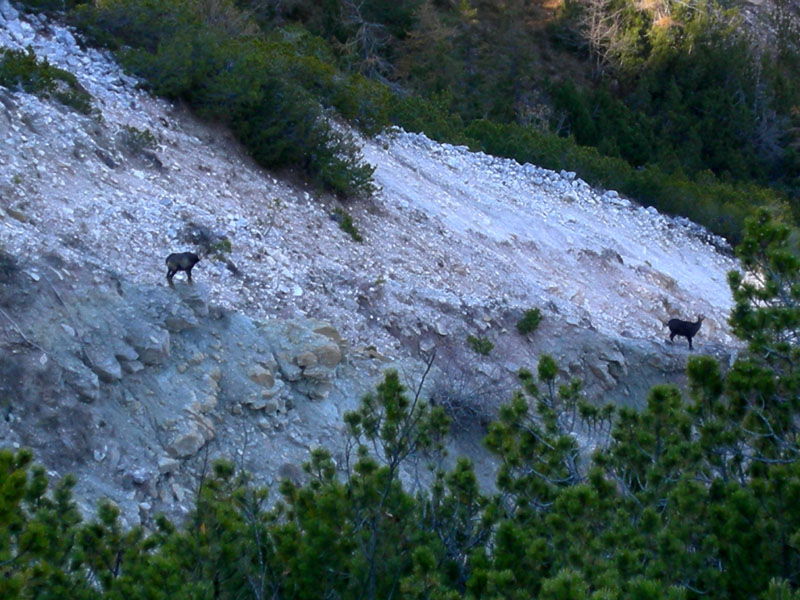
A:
[685,328]
[181,261]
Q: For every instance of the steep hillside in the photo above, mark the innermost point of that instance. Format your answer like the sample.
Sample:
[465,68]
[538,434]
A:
[108,372]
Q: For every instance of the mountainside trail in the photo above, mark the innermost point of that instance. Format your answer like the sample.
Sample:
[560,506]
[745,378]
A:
[456,243]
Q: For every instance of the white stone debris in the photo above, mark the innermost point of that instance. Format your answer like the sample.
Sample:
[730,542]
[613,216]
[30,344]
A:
[449,226]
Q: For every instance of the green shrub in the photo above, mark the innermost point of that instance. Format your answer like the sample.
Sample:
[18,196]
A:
[431,116]
[221,248]
[50,5]
[137,140]
[481,345]
[529,321]
[268,90]
[135,23]
[364,102]
[23,70]
[346,224]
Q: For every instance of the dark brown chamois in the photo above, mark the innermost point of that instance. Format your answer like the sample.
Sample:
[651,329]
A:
[181,261]
[685,328]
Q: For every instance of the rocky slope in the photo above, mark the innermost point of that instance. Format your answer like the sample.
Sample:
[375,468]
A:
[109,373]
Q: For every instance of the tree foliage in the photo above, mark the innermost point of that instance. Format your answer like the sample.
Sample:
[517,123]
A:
[267,88]
[23,70]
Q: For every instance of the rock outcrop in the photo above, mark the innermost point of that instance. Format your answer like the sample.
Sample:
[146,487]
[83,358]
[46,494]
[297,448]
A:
[122,383]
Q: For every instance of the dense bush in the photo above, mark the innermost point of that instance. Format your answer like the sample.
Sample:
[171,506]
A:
[529,321]
[346,224]
[430,116]
[267,89]
[480,345]
[50,5]
[363,102]
[22,69]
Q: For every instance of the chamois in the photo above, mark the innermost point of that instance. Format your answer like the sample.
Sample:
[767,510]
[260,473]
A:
[181,261]
[685,328]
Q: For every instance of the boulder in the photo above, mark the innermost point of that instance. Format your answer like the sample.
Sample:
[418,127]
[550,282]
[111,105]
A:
[131,366]
[306,359]
[289,369]
[103,362]
[269,404]
[329,355]
[190,435]
[262,376]
[123,351]
[168,465]
[329,332]
[179,322]
[202,403]
[191,297]
[85,382]
[150,342]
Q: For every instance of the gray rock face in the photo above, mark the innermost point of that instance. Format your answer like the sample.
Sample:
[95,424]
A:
[189,435]
[307,354]
[150,342]
[85,383]
[162,396]
[103,362]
